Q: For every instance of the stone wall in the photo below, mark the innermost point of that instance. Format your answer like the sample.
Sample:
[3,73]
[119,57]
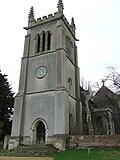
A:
[95,141]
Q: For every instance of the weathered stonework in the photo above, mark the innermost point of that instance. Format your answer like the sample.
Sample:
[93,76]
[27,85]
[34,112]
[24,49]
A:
[60,142]
[95,141]
[46,103]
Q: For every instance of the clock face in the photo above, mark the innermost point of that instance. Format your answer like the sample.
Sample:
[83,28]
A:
[41,72]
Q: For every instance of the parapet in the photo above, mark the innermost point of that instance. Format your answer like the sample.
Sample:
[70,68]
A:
[50,18]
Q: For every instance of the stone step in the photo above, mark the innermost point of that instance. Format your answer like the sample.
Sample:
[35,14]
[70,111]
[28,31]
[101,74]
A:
[36,147]
[33,150]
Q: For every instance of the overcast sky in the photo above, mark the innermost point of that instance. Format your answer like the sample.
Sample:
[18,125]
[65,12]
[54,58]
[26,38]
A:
[97,28]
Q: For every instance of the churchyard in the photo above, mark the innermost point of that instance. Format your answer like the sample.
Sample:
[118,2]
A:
[73,154]
[26,158]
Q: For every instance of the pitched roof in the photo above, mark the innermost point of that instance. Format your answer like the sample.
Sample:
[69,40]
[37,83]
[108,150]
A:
[105,98]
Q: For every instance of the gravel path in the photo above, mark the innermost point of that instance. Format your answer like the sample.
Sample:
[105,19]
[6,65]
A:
[26,158]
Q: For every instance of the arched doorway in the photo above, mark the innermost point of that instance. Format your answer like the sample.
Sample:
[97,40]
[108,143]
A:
[38,132]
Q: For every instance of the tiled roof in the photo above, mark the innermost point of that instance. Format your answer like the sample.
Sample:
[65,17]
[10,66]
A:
[105,98]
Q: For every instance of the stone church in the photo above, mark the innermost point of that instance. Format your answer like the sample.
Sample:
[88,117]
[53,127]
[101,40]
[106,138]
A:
[50,105]
[100,113]
[47,105]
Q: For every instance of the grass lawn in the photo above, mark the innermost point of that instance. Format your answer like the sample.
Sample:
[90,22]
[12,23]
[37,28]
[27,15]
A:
[73,154]
[92,154]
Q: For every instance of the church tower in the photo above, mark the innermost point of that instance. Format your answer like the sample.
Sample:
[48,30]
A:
[47,106]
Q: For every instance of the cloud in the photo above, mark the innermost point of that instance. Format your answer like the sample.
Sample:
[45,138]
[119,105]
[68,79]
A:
[98,28]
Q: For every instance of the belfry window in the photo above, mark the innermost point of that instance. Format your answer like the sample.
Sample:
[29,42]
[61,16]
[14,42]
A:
[69,47]
[48,40]
[37,48]
[43,42]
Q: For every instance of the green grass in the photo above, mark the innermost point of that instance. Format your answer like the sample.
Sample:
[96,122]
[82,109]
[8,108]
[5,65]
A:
[93,154]
[73,154]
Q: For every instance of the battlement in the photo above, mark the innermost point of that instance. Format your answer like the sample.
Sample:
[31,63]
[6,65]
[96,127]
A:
[57,16]
[49,18]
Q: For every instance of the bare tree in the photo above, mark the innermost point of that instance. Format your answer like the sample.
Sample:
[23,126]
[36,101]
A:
[113,79]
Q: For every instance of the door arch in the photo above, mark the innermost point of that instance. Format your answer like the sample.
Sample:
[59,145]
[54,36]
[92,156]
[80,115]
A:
[39,132]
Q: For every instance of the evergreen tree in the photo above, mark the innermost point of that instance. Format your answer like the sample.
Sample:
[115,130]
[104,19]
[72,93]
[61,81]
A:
[6,106]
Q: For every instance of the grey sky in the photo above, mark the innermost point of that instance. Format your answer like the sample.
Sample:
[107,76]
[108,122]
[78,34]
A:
[97,28]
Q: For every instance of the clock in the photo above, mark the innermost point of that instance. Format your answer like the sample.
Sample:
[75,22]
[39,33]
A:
[41,72]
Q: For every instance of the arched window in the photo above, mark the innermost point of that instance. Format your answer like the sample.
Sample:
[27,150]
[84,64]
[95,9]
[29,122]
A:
[70,84]
[48,41]
[37,48]
[43,41]
[69,47]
